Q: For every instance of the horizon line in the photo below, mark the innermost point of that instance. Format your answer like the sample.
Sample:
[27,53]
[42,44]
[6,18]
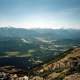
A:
[39,28]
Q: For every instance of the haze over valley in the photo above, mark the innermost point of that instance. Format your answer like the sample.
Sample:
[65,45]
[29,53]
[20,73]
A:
[39,45]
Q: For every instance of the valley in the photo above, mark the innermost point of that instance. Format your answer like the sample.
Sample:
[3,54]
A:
[39,53]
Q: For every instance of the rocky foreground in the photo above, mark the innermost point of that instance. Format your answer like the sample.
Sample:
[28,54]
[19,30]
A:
[65,67]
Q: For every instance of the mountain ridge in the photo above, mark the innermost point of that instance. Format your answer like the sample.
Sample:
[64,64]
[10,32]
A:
[63,69]
[26,33]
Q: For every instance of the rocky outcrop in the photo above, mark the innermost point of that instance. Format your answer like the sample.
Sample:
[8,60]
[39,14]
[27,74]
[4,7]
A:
[65,68]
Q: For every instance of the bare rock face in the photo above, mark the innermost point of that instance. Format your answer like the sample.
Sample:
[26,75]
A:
[37,78]
[66,68]
[75,76]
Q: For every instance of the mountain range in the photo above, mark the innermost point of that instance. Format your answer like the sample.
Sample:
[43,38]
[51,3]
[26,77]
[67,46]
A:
[37,43]
[45,33]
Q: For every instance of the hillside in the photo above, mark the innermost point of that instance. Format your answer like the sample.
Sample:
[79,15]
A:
[65,68]
[52,54]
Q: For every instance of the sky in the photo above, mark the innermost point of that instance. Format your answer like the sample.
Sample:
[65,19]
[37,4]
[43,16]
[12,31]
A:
[40,13]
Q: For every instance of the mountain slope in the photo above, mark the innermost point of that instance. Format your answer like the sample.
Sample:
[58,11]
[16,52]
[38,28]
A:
[64,68]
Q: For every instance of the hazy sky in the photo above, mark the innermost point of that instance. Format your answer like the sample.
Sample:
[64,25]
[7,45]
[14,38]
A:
[40,13]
